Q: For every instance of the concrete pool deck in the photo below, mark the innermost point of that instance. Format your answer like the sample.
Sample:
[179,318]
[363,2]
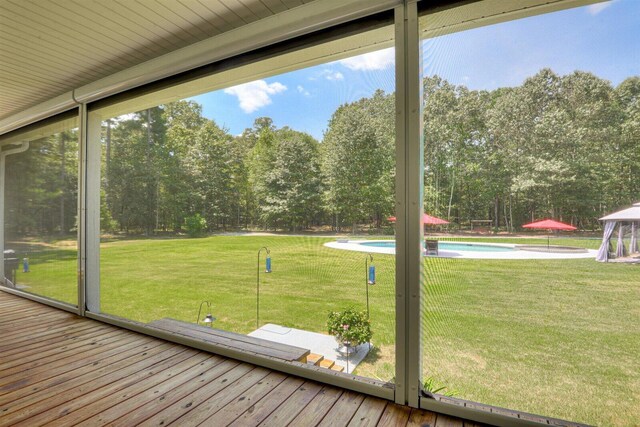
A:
[355,245]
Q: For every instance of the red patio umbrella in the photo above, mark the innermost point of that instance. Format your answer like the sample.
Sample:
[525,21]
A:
[549,224]
[427,219]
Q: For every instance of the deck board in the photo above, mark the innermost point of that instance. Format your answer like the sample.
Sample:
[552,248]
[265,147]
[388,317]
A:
[421,418]
[369,413]
[198,414]
[160,402]
[287,411]
[168,415]
[57,367]
[315,410]
[246,400]
[447,421]
[342,411]
[260,410]
[131,400]
[87,405]
[44,345]
[68,370]
[33,358]
[71,387]
[395,416]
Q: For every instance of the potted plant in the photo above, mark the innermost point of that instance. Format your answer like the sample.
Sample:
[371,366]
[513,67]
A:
[350,327]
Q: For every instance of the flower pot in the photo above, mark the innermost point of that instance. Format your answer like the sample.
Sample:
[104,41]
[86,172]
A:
[347,349]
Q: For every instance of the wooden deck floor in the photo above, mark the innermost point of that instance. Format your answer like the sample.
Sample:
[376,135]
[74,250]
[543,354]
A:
[60,369]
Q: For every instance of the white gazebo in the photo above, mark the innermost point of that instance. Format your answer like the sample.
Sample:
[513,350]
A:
[625,217]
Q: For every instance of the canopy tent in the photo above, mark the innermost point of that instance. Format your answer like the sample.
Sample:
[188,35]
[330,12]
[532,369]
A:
[626,216]
[629,214]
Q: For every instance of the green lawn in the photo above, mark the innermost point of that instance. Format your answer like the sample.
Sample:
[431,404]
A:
[557,337]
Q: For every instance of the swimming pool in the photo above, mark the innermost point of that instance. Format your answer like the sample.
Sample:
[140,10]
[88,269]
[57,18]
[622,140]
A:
[448,246]
[466,250]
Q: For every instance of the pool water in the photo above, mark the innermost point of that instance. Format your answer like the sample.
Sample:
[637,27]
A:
[451,246]
[469,249]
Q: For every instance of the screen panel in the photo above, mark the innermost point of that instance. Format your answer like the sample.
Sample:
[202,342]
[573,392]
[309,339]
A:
[526,120]
[263,198]
[41,209]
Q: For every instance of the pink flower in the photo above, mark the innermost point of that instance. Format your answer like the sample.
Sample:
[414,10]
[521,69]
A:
[345,327]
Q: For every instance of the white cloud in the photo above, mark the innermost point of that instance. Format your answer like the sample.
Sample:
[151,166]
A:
[596,8]
[303,91]
[255,95]
[330,75]
[333,76]
[327,74]
[378,60]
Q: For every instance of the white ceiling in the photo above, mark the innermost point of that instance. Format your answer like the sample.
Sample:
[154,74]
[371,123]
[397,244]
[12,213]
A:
[49,47]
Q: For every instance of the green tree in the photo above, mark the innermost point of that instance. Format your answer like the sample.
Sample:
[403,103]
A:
[211,162]
[455,140]
[554,137]
[178,198]
[41,186]
[283,173]
[292,184]
[137,144]
[358,161]
[260,159]
[628,159]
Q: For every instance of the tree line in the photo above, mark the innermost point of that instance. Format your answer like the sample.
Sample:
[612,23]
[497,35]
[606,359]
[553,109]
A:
[566,147]
[41,187]
[167,164]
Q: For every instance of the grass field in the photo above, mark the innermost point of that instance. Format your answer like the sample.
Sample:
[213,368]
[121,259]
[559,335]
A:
[556,337]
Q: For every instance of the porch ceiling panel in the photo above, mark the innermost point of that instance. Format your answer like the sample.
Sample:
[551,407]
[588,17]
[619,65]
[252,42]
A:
[50,47]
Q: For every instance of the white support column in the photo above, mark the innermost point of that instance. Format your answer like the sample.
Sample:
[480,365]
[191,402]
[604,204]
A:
[409,177]
[2,205]
[415,177]
[91,210]
[401,208]
[82,168]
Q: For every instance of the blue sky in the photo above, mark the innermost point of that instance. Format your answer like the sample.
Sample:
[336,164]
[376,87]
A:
[602,38]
